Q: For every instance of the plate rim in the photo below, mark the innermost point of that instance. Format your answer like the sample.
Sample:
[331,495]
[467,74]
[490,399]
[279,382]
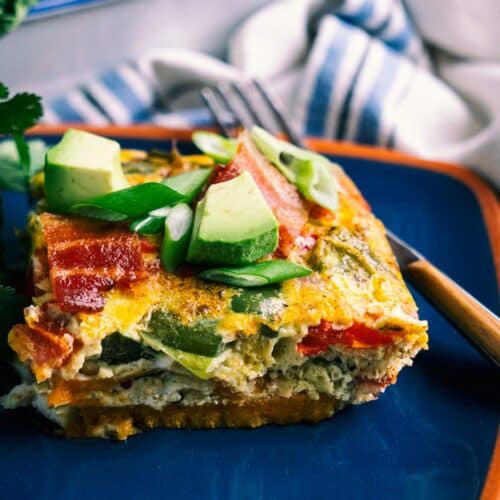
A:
[486,197]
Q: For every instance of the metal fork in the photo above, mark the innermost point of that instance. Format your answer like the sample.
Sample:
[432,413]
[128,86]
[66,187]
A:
[247,103]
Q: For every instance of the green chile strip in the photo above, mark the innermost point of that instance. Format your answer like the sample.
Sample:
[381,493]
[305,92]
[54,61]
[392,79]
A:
[199,337]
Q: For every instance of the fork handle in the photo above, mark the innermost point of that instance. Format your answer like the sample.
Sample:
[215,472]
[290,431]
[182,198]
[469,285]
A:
[479,324]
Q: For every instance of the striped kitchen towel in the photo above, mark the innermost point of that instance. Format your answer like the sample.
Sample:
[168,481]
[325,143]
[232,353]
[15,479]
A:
[348,80]
[355,70]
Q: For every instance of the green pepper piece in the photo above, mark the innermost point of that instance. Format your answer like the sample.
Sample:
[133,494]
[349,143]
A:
[263,273]
[196,364]
[178,225]
[118,349]
[127,203]
[199,337]
[221,149]
[310,172]
[189,184]
[256,300]
[267,332]
[148,225]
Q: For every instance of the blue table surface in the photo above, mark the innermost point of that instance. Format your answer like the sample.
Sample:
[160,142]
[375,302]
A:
[430,436]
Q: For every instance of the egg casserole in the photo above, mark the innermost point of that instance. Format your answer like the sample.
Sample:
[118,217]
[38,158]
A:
[114,344]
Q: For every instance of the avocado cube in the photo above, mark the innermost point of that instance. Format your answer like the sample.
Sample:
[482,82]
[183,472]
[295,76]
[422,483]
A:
[233,224]
[81,166]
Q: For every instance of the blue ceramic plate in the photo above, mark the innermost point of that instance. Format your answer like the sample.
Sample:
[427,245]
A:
[431,436]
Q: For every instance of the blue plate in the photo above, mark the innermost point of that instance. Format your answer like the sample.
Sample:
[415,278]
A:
[431,436]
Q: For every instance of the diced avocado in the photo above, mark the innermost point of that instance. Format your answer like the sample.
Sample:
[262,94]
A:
[118,349]
[81,166]
[197,338]
[233,224]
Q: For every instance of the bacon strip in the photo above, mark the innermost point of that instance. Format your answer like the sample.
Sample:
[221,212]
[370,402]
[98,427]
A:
[87,258]
[320,337]
[43,349]
[283,197]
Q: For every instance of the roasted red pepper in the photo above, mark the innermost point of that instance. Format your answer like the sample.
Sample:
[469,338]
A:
[320,337]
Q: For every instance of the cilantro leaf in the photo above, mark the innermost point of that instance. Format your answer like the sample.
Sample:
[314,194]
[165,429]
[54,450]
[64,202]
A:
[12,178]
[12,12]
[16,115]
[19,113]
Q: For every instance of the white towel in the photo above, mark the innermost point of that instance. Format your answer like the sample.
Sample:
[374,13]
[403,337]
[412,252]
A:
[422,77]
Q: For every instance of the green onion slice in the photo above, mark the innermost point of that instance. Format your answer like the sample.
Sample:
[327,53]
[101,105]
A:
[189,184]
[221,149]
[310,172]
[263,273]
[128,203]
[148,225]
[160,212]
[178,225]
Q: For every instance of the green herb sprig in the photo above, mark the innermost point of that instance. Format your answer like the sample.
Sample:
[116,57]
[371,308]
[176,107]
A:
[12,13]
[17,113]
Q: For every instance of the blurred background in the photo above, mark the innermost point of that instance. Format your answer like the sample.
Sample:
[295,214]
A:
[416,75]
[64,42]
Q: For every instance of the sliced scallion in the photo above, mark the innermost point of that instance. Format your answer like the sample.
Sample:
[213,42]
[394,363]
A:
[221,149]
[263,273]
[131,202]
[148,225]
[309,171]
[189,184]
[178,225]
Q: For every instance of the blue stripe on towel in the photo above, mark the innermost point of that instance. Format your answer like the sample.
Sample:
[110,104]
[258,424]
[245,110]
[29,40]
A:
[65,111]
[346,105]
[401,40]
[369,120]
[325,79]
[136,108]
[359,16]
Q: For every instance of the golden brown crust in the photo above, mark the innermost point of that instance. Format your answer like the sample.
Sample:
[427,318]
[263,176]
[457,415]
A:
[119,423]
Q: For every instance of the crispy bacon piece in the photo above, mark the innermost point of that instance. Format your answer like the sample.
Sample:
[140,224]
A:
[225,173]
[43,349]
[320,337]
[87,258]
[318,212]
[283,197]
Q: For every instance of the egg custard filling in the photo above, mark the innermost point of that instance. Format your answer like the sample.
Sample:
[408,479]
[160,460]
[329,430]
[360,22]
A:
[259,290]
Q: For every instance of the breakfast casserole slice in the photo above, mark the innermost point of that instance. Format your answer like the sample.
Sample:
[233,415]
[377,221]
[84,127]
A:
[179,291]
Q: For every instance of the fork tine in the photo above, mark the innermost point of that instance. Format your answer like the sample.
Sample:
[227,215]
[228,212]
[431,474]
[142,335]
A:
[240,91]
[227,94]
[218,112]
[292,135]
[257,108]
